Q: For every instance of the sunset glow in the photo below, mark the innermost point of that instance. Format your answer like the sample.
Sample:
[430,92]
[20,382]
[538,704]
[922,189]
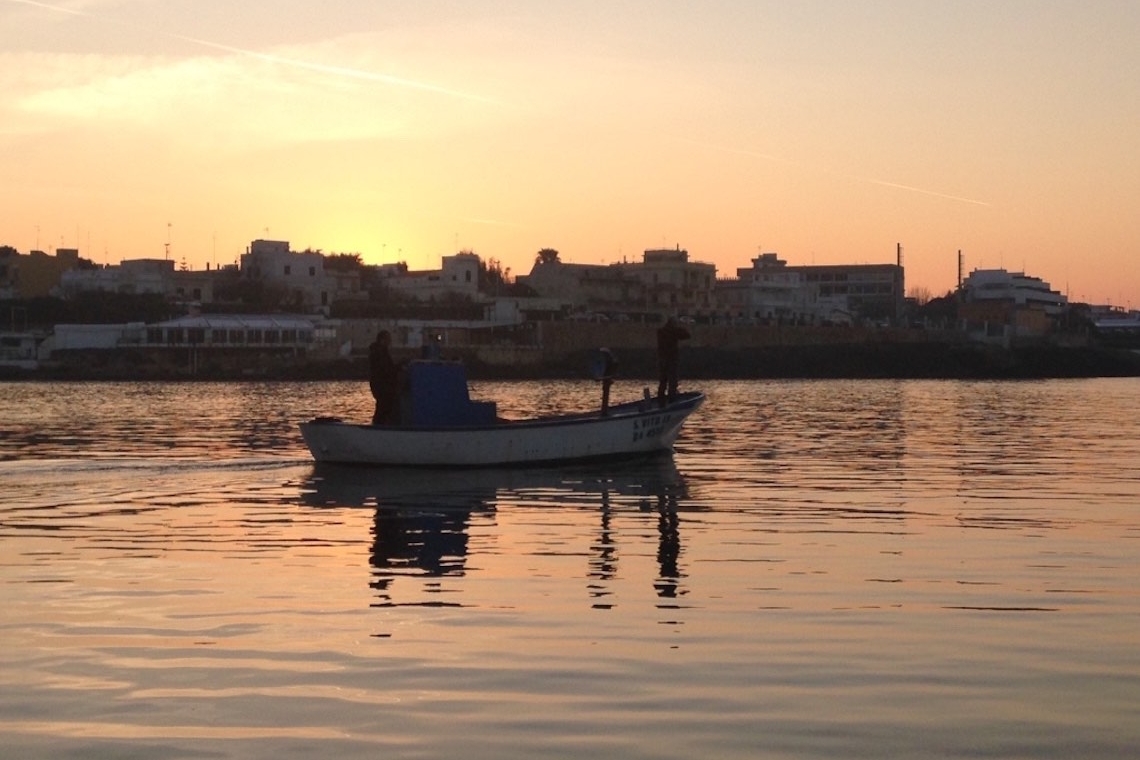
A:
[826,132]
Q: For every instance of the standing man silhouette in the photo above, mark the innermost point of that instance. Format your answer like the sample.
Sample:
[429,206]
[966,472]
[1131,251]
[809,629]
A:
[669,337]
[383,379]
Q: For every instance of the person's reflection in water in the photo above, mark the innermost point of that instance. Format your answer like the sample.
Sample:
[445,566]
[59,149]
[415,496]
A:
[668,546]
[420,525]
[417,542]
[603,563]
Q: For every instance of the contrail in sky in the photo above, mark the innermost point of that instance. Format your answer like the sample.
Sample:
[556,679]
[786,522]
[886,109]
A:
[319,68]
[872,180]
[935,193]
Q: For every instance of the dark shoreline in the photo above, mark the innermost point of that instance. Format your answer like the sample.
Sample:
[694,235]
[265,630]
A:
[933,360]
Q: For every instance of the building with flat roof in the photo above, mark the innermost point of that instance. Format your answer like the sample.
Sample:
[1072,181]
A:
[34,274]
[458,275]
[815,293]
[664,282]
[1017,288]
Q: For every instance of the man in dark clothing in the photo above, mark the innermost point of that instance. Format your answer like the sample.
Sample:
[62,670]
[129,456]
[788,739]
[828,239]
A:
[607,367]
[669,337]
[383,379]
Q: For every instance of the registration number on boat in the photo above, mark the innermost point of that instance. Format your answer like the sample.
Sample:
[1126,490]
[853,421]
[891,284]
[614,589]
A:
[650,427]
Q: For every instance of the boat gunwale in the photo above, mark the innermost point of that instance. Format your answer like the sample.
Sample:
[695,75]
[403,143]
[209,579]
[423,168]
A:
[687,401]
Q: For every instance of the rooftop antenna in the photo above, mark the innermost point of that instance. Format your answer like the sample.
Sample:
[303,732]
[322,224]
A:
[168,241]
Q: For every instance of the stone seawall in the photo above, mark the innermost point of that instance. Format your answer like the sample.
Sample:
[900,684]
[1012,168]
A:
[558,338]
[569,349]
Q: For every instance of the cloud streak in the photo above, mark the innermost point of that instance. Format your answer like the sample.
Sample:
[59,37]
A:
[858,178]
[319,68]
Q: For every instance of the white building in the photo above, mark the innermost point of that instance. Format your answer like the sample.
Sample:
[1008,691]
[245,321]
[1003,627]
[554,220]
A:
[768,291]
[233,331]
[1017,288]
[134,276]
[138,277]
[299,277]
[458,274]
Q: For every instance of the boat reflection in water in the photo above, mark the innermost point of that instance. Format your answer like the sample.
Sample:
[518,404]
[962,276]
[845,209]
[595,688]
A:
[422,520]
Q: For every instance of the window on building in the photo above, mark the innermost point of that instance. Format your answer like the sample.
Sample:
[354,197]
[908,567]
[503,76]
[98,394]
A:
[253,336]
[288,270]
[272,336]
[175,335]
[196,335]
[237,336]
[312,271]
[154,335]
[217,336]
[288,336]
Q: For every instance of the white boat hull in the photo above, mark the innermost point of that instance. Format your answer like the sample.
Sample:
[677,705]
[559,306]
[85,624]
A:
[627,430]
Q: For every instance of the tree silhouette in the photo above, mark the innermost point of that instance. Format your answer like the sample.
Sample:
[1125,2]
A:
[547,256]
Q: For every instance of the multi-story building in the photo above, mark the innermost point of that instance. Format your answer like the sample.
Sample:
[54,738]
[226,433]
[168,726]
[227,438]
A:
[298,278]
[767,291]
[35,274]
[1000,305]
[673,284]
[772,290]
[586,287]
[140,276]
[135,276]
[664,282]
[457,275]
[1016,288]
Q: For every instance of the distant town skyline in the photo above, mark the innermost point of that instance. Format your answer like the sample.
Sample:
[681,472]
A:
[408,131]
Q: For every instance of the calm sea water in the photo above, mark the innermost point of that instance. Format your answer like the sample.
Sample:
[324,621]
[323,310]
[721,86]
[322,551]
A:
[822,569]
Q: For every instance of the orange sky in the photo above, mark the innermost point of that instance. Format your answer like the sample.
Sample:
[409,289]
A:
[825,131]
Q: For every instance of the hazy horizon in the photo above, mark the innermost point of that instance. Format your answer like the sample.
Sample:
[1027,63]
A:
[408,131]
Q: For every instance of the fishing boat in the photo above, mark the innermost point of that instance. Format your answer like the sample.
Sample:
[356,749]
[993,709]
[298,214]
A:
[440,426]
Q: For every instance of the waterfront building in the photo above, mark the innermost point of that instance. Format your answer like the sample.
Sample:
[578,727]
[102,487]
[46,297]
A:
[19,350]
[664,282]
[672,284]
[458,275]
[1016,288]
[998,306]
[585,288]
[771,290]
[133,276]
[137,277]
[35,274]
[299,279]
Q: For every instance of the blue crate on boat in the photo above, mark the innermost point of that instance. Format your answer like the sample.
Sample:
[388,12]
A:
[437,396]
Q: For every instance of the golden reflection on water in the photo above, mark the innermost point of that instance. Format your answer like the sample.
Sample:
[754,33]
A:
[822,569]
